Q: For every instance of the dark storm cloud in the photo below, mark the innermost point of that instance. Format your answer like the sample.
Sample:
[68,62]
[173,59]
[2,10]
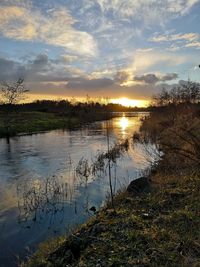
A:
[40,69]
[39,63]
[10,70]
[40,60]
[139,91]
[153,78]
[82,83]
[121,76]
[169,77]
[148,78]
[5,65]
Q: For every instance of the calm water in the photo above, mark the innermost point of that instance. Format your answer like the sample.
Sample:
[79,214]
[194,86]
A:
[41,194]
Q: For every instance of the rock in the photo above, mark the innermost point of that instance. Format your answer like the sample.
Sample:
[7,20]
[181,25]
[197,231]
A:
[69,251]
[139,185]
[93,209]
[97,229]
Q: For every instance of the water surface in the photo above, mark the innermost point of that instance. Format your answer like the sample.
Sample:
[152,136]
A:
[41,195]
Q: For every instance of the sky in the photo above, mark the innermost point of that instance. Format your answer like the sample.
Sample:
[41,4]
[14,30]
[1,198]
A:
[101,48]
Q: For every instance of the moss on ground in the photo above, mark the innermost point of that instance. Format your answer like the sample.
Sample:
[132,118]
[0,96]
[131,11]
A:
[159,228]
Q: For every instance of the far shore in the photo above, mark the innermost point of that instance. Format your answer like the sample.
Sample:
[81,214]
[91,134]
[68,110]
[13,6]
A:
[32,122]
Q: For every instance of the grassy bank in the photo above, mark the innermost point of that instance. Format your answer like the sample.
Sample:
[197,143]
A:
[33,122]
[157,228]
[30,122]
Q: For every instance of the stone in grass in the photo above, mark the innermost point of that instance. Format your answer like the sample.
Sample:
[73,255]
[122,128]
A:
[139,185]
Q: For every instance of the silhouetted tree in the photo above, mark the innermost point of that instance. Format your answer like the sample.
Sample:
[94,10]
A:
[11,94]
[185,92]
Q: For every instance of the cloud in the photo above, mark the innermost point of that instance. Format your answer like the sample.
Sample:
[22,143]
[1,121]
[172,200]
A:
[54,28]
[38,69]
[174,48]
[40,63]
[68,58]
[193,44]
[146,60]
[16,22]
[122,77]
[147,11]
[10,70]
[169,77]
[88,84]
[43,76]
[137,91]
[117,23]
[148,78]
[153,78]
[175,37]
[180,40]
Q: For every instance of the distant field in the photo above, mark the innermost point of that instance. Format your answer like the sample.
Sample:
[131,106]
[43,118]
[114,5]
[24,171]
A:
[29,122]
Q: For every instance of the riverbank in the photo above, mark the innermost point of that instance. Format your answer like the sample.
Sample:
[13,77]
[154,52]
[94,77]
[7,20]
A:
[34,122]
[158,227]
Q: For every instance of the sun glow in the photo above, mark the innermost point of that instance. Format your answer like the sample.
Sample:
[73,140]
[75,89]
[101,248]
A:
[124,101]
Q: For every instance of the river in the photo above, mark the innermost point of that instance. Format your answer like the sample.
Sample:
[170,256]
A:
[41,195]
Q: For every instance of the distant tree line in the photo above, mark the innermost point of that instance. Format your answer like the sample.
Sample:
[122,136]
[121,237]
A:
[65,106]
[12,94]
[69,107]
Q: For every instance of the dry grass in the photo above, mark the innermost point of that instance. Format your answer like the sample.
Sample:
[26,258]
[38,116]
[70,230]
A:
[160,228]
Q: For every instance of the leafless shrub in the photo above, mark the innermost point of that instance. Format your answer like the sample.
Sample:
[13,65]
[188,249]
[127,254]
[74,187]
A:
[12,93]
[83,169]
[39,198]
[184,92]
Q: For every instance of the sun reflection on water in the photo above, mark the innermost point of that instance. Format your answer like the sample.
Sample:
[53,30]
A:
[123,123]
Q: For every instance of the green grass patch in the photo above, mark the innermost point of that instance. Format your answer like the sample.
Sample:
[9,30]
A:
[31,122]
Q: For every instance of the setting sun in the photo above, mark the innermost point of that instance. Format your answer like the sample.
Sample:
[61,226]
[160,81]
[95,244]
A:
[124,101]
